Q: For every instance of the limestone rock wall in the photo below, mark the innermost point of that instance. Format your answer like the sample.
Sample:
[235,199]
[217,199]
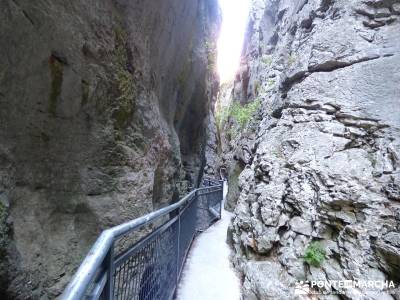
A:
[320,161]
[103,107]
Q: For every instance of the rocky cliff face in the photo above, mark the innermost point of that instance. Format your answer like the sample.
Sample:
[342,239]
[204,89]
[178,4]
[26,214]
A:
[102,109]
[320,161]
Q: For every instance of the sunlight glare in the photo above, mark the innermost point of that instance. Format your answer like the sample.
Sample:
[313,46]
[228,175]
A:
[230,42]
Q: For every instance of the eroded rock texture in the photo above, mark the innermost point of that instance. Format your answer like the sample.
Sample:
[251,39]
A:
[323,162]
[102,112]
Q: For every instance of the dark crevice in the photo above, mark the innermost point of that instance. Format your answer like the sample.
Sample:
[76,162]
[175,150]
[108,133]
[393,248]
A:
[24,12]
[379,4]
[281,14]
[289,82]
[282,230]
[315,107]
[306,23]
[60,57]
[301,6]
[325,5]
[328,66]
[28,17]
[277,113]
[274,39]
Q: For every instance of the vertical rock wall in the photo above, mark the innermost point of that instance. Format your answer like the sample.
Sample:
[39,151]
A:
[321,158]
[103,107]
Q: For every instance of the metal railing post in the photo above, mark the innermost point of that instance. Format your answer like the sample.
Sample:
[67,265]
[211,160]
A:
[100,272]
[221,202]
[109,263]
[178,250]
[208,201]
[222,182]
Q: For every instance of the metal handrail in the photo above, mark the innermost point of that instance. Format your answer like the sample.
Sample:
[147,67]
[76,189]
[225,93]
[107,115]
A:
[208,181]
[102,251]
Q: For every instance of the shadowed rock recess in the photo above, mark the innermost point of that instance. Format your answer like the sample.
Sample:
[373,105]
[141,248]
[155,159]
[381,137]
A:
[103,106]
[320,160]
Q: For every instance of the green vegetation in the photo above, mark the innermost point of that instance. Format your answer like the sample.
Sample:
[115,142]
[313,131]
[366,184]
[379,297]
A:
[232,132]
[212,61]
[263,88]
[291,60]
[211,49]
[242,114]
[277,153]
[124,80]
[221,116]
[84,91]
[266,60]
[56,73]
[314,254]
[257,87]
[270,83]
[372,159]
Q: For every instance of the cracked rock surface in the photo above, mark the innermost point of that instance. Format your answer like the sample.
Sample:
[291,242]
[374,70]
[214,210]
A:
[321,159]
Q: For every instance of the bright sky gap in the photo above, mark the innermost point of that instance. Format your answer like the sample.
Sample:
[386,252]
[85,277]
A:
[230,42]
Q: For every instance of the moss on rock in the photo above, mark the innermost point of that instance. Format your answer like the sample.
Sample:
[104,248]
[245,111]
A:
[124,81]
[85,92]
[56,73]
[3,230]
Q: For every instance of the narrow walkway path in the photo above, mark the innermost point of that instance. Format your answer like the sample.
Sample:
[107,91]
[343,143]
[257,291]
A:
[208,274]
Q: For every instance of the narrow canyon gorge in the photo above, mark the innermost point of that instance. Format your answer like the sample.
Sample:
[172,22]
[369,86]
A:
[110,110]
